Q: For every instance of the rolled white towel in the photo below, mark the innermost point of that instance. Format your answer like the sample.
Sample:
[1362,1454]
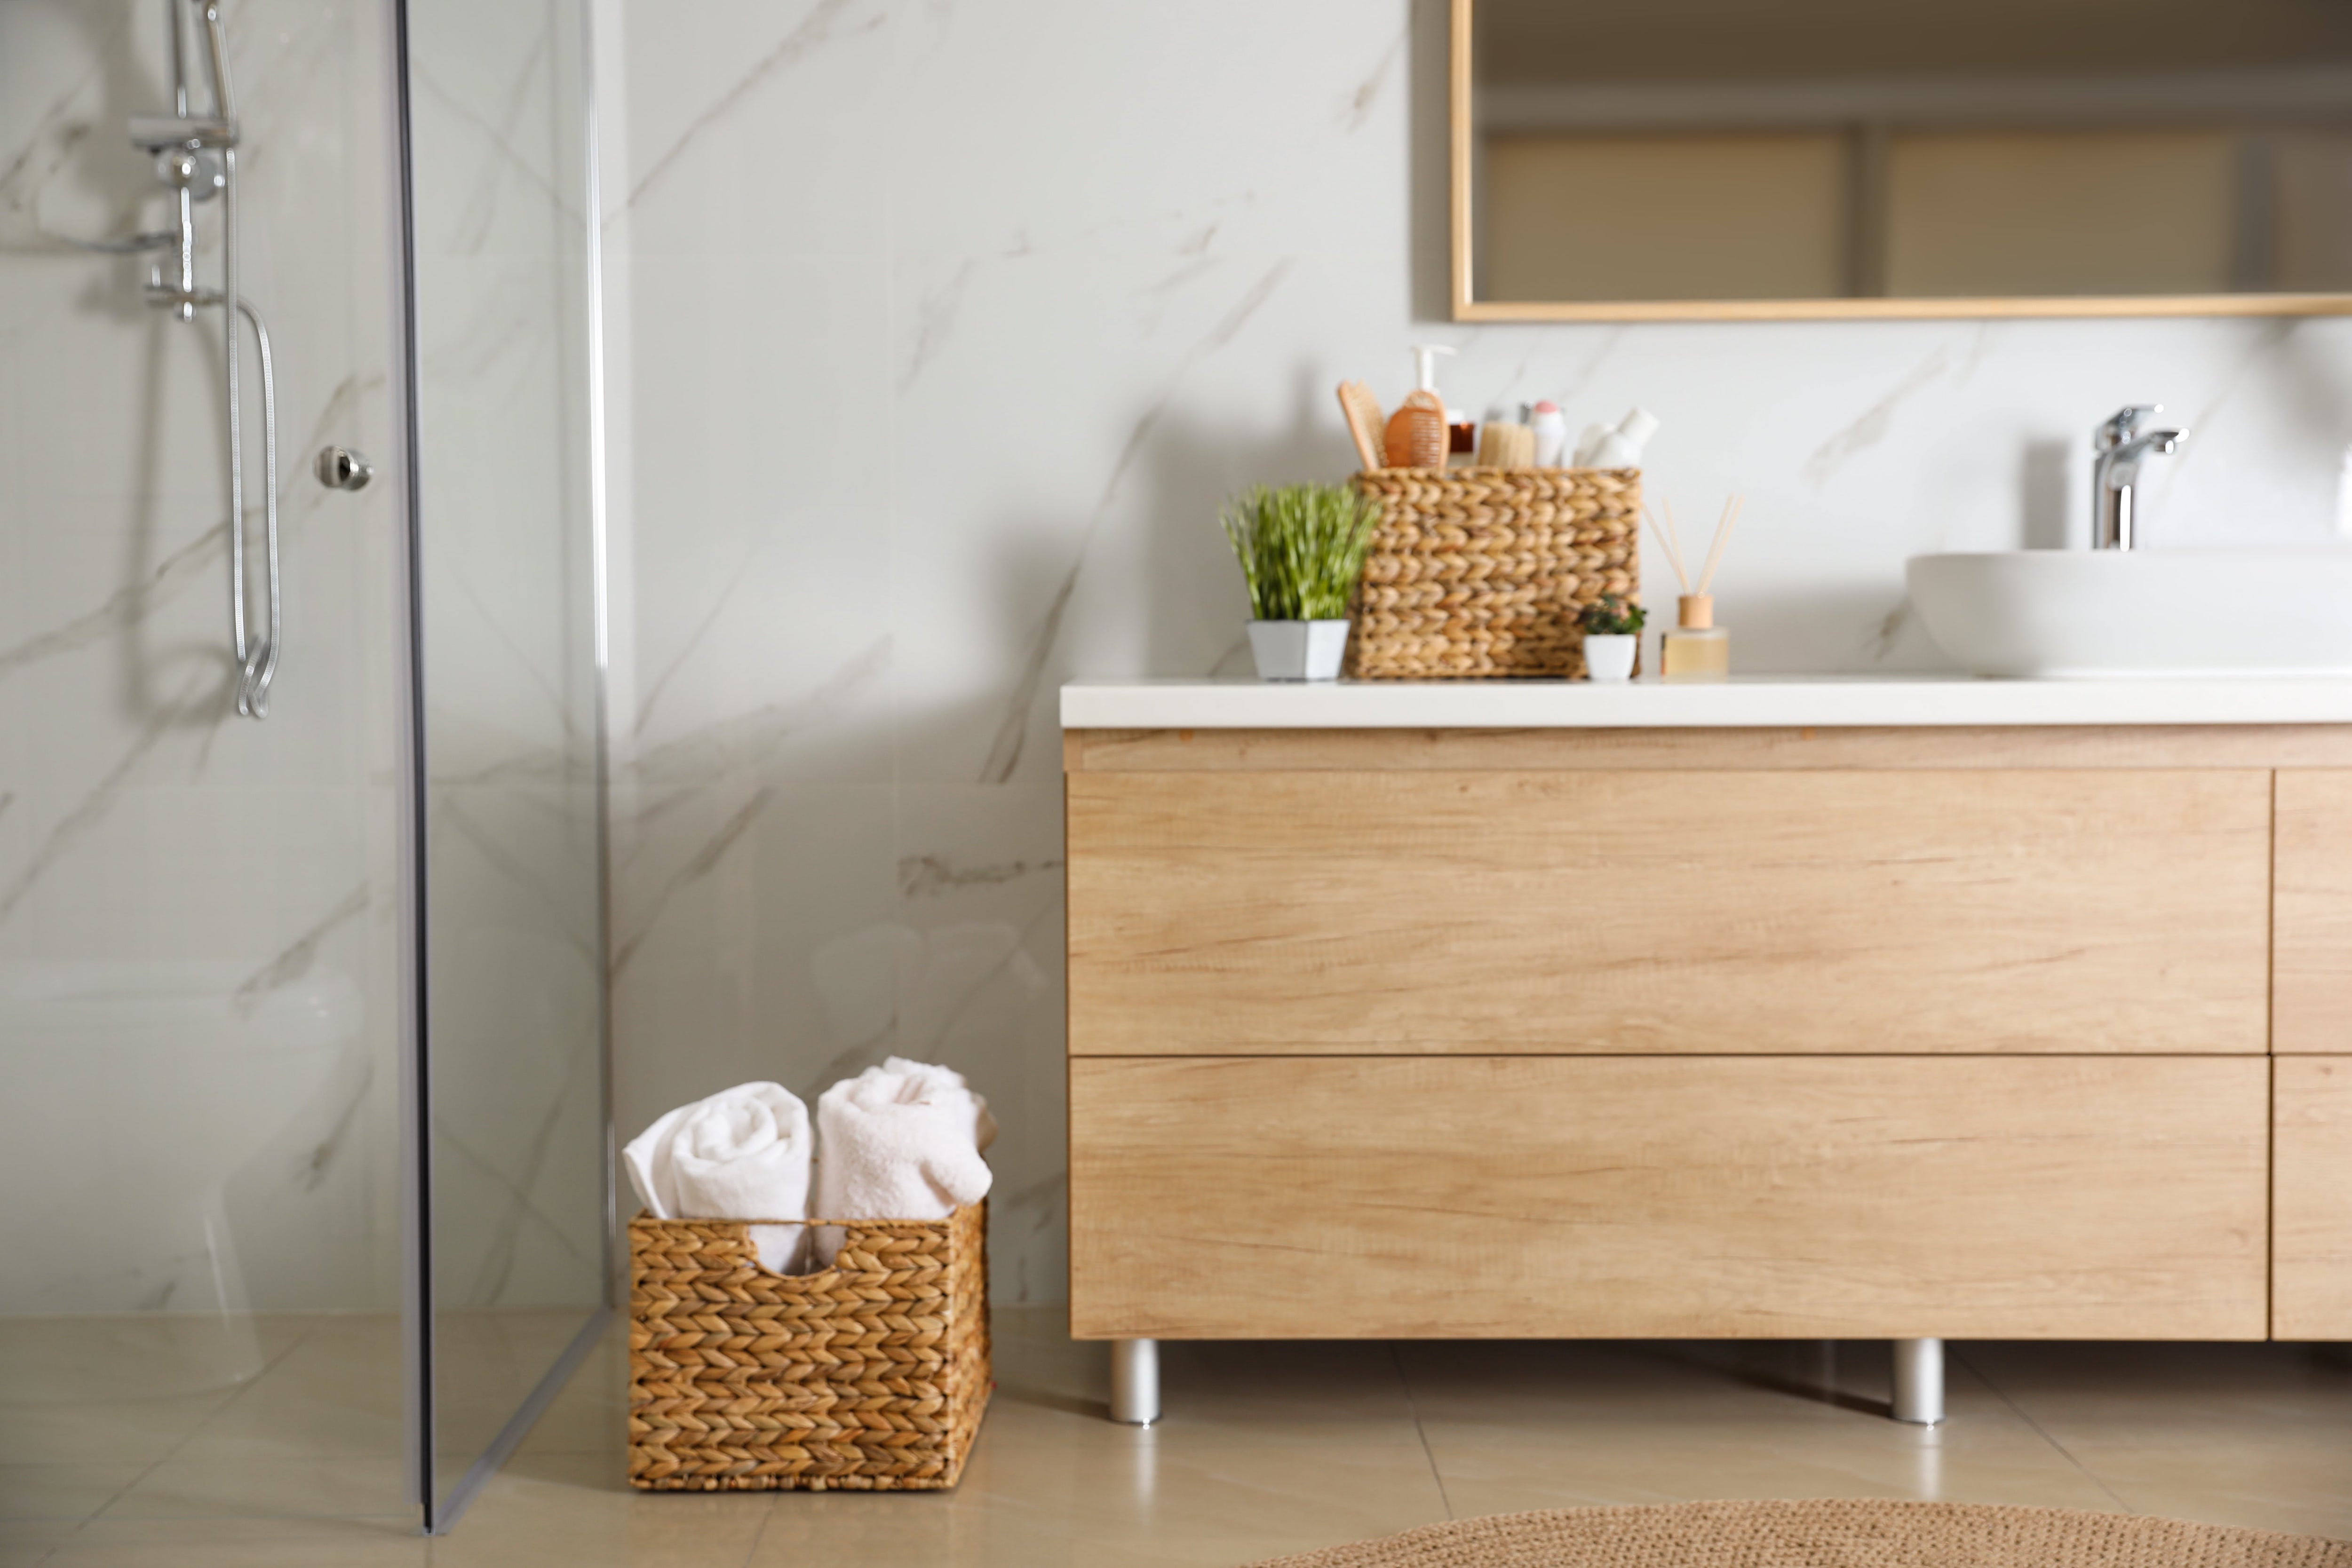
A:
[742,1153]
[902,1141]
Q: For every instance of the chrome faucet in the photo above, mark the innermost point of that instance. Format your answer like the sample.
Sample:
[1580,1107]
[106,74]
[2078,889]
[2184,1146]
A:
[2120,443]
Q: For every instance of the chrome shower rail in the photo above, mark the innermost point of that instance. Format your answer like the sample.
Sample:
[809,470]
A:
[196,155]
[257,661]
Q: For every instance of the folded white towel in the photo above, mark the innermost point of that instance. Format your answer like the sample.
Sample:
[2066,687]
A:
[742,1153]
[902,1141]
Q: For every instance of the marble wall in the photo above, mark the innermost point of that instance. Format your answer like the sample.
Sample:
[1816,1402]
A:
[197,978]
[200,988]
[941,329]
[515,1034]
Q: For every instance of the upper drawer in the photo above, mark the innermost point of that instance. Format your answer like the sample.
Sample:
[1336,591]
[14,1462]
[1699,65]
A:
[1636,911]
[2311,1009]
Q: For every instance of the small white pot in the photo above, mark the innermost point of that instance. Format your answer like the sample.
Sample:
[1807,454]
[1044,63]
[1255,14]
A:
[1610,658]
[1298,650]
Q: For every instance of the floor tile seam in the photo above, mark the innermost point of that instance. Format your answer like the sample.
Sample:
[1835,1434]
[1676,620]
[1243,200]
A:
[269,1367]
[1412,1407]
[60,1543]
[2063,1451]
[1806,1422]
[759,1532]
[239,1515]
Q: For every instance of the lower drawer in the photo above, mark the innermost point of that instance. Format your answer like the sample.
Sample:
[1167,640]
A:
[2311,1282]
[2096,1197]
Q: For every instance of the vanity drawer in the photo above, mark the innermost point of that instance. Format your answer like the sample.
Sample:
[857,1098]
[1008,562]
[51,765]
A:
[2311,1196]
[1607,1196]
[2311,1007]
[1615,912]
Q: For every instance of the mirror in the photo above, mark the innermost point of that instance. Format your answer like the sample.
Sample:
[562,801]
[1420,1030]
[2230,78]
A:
[1692,159]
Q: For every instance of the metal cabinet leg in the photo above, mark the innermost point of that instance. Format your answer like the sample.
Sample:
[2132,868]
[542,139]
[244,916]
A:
[1920,1381]
[1135,1381]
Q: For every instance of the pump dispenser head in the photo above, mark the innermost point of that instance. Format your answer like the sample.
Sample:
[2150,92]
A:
[1425,365]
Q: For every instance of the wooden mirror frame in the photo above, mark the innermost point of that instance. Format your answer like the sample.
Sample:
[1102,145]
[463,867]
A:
[1468,309]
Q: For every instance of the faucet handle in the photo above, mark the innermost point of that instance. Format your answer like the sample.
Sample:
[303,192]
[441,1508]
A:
[2123,425]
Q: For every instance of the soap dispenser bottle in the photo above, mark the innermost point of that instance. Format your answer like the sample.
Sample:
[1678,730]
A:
[1417,434]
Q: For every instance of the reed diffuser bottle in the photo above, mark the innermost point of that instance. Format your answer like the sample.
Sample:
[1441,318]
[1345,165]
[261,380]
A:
[1697,649]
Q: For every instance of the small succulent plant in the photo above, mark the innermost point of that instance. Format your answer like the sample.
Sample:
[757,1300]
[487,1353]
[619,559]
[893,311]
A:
[1609,616]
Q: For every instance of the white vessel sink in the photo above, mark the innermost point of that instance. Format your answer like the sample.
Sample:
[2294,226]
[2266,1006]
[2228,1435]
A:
[2276,610]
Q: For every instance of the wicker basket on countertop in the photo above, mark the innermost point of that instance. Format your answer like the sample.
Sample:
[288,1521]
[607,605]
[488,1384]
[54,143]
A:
[1481,572]
[870,1375]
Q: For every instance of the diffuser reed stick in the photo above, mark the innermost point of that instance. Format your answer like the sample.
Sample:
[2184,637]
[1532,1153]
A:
[1669,540]
[1670,536]
[1729,522]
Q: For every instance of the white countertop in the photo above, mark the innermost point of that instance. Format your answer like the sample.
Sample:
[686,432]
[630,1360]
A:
[1771,701]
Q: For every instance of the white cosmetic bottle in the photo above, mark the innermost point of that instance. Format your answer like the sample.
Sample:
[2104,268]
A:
[1621,447]
[1551,426]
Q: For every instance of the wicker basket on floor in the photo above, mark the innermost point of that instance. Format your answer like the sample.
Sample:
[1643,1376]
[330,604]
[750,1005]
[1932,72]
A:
[1481,572]
[869,1376]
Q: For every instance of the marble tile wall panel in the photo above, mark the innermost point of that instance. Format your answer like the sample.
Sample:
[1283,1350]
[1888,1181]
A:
[157,853]
[512,803]
[194,911]
[948,326]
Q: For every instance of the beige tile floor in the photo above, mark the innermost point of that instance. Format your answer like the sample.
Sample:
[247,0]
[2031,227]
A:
[1265,1449]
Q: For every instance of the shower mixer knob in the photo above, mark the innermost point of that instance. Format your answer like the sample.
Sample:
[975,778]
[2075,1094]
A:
[197,170]
[340,468]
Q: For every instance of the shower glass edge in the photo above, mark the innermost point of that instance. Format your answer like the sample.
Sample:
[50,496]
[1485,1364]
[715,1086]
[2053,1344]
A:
[508,1190]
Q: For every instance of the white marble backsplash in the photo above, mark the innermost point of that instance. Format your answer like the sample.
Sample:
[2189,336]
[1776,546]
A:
[941,329]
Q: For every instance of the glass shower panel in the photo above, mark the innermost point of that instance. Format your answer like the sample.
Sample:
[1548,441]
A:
[509,678]
[200,992]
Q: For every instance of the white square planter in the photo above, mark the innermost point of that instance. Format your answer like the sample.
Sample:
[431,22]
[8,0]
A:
[1610,658]
[1298,650]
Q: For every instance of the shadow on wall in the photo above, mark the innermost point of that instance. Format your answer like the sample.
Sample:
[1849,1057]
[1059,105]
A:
[2314,370]
[78,178]
[1180,587]
[2045,483]
[1429,118]
[1194,601]
[78,175]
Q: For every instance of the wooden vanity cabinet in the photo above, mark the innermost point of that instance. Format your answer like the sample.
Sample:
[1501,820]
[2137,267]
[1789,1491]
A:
[1588,1033]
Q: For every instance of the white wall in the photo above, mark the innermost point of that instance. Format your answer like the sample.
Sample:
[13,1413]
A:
[946,327]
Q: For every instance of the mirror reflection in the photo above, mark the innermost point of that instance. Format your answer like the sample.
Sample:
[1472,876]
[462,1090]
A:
[1823,149]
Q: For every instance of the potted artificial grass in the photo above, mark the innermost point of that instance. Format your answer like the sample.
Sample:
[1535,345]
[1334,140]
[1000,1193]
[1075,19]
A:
[1301,547]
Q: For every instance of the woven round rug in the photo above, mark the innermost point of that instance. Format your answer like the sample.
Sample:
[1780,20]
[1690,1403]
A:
[1828,1534]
